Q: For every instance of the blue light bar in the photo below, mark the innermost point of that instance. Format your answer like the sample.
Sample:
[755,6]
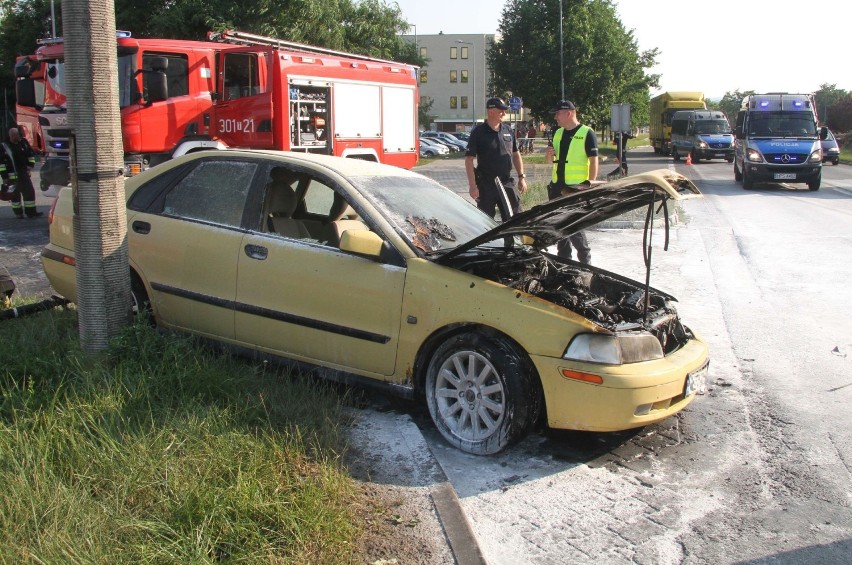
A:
[797,103]
[764,103]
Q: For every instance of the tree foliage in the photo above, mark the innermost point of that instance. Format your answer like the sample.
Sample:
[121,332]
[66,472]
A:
[602,64]
[369,27]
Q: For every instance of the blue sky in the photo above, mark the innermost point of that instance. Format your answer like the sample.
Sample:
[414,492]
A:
[781,45]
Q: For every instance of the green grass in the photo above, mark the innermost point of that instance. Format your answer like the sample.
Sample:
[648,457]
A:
[163,451]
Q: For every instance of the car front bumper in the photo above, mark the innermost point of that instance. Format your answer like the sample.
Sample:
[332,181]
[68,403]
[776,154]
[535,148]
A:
[761,172]
[630,396]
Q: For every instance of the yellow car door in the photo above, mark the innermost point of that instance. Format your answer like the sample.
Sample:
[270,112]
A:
[186,247]
[305,298]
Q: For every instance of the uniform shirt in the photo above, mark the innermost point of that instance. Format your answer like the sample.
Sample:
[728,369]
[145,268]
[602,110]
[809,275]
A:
[493,150]
[22,157]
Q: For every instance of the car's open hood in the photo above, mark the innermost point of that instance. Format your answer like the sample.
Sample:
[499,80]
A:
[552,221]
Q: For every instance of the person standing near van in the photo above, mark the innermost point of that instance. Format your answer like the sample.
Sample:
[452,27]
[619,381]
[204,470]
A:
[494,147]
[574,153]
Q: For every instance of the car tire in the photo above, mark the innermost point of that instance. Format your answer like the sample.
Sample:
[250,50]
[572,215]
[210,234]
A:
[729,159]
[738,175]
[835,162]
[748,183]
[814,184]
[675,154]
[695,157]
[141,304]
[482,392]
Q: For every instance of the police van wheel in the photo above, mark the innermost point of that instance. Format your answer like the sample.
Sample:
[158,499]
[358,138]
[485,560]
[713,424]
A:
[738,176]
[675,154]
[748,184]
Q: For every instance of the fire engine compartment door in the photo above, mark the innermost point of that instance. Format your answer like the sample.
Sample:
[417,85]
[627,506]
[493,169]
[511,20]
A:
[398,119]
[243,112]
[357,111]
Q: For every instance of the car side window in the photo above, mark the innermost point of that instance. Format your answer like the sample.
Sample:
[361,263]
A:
[215,191]
[318,198]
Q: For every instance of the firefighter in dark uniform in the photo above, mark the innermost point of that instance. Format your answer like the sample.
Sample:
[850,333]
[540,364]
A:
[492,144]
[16,160]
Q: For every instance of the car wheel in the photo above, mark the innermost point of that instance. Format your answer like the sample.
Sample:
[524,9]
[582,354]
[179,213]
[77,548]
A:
[482,392]
[141,304]
[675,154]
[748,184]
[814,184]
[695,158]
[729,159]
[738,176]
[836,161]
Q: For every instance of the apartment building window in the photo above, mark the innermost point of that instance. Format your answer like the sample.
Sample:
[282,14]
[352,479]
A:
[454,52]
[464,102]
[423,52]
[464,75]
[423,76]
[454,102]
[464,53]
[454,76]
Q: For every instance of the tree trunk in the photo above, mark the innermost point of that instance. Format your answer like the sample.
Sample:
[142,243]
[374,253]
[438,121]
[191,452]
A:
[100,220]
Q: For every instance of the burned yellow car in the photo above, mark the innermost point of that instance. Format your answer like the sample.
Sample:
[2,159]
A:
[374,274]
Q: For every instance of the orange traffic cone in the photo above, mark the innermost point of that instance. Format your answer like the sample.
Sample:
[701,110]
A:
[689,158]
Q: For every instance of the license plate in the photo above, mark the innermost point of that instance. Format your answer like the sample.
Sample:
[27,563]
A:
[785,176]
[696,381]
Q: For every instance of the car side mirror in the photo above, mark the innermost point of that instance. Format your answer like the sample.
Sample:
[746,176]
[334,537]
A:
[823,133]
[362,242]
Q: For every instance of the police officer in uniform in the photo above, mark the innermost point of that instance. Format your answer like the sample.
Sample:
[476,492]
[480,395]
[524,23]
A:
[494,147]
[16,160]
[574,153]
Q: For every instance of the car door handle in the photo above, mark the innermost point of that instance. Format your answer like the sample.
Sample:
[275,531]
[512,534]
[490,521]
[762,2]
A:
[142,227]
[257,252]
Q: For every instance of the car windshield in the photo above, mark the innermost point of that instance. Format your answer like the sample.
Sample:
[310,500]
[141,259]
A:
[430,216]
[714,127]
[782,124]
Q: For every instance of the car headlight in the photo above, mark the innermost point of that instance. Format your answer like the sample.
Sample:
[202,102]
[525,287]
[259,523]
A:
[754,156]
[832,150]
[615,349]
[702,144]
[816,156]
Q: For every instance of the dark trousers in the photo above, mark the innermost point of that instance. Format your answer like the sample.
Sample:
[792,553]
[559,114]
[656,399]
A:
[490,200]
[577,240]
[23,199]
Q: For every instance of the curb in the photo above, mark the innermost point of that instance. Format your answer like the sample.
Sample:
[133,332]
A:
[391,449]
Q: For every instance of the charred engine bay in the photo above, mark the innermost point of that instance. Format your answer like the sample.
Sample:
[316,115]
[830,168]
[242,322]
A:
[615,303]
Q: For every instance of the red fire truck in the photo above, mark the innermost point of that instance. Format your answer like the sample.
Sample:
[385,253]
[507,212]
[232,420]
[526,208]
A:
[249,91]
[30,72]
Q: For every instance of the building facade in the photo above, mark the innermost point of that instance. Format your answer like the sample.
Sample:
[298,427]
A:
[455,79]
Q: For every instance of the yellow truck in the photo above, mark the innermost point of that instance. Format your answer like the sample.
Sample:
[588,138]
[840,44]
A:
[662,109]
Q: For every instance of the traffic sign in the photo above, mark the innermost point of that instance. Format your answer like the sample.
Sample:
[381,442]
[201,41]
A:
[515,103]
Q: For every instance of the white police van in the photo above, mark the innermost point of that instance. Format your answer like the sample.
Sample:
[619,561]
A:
[777,140]
[702,134]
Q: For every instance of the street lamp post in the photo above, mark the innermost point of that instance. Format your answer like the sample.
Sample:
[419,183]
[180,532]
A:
[473,81]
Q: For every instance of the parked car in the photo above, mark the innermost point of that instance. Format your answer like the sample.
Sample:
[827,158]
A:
[462,136]
[432,148]
[375,274]
[446,138]
[830,147]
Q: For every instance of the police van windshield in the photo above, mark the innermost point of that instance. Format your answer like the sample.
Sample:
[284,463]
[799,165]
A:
[782,124]
[712,127]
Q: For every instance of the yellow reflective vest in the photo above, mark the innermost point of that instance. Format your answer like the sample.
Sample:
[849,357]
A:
[577,162]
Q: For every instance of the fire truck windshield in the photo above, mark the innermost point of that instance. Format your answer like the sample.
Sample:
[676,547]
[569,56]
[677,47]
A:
[56,76]
[128,90]
[127,87]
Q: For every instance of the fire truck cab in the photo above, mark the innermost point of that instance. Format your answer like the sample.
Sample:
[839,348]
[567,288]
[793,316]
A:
[247,91]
